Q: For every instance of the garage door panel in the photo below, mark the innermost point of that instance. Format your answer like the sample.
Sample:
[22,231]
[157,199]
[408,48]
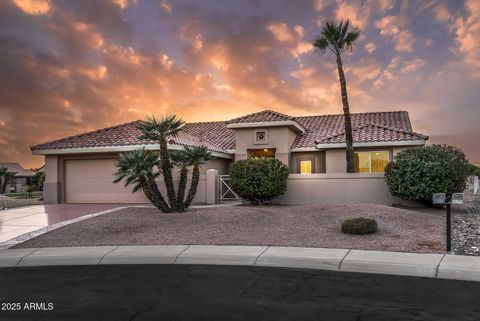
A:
[91,181]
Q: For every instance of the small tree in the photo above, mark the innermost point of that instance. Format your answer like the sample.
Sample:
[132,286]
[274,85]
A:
[474,170]
[417,173]
[5,178]
[259,180]
[38,180]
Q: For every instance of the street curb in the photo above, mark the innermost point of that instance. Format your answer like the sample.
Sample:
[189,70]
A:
[438,266]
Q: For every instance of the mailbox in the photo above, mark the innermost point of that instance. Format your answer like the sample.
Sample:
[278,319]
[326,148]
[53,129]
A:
[438,198]
[457,198]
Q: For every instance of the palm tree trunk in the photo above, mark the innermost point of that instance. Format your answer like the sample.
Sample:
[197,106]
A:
[346,113]
[193,186]
[150,189]
[182,185]
[167,175]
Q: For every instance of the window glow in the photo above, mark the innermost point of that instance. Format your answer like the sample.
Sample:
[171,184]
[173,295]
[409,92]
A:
[371,162]
[306,167]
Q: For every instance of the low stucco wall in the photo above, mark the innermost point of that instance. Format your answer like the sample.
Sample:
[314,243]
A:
[338,188]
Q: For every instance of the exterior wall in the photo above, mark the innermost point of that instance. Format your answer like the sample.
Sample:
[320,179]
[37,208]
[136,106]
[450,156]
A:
[317,157]
[335,161]
[280,138]
[338,189]
[54,188]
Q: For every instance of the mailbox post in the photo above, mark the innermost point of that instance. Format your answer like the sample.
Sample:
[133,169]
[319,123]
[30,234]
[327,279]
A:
[440,198]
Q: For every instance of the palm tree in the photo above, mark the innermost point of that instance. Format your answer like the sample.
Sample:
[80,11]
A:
[182,162]
[162,130]
[338,37]
[197,156]
[139,168]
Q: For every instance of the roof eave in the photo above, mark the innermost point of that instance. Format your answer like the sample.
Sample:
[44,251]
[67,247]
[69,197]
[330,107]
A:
[290,123]
[399,143]
[115,149]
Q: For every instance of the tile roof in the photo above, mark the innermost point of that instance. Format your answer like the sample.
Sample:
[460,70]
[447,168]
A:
[325,129]
[17,169]
[261,116]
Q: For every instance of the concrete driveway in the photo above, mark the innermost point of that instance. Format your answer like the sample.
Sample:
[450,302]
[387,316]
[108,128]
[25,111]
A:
[17,221]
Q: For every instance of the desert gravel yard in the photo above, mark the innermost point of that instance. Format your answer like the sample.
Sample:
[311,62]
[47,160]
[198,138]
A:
[300,226]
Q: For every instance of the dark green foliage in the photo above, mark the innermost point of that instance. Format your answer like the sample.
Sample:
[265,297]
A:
[359,226]
[38,180]
[474,170]
[417,173]
[5,178]
[259,180]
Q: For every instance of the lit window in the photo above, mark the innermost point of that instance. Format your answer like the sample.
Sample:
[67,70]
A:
[306,167]
[371,162]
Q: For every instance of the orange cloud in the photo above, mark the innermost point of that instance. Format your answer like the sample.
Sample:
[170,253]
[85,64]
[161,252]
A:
[34,7]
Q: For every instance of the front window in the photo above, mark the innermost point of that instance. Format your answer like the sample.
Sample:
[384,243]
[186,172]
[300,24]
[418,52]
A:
[262,153]
[306,167]
[371,162]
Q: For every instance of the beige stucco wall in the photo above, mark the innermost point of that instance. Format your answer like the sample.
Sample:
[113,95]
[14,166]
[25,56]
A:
[54,188]
[280,138]
[335,161]
[341,188]
[318,157]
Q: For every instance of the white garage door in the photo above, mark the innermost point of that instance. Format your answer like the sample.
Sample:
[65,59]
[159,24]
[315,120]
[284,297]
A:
[91,181]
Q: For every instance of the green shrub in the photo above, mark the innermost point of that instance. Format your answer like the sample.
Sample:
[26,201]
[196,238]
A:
[474,170]
[259,180]
[417,173]
[359,226]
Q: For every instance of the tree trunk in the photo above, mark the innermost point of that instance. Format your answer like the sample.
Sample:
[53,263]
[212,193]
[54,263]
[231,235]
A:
[346,113]
[193,186]
[3,186]
[182,185]
[167,175]
[150,189]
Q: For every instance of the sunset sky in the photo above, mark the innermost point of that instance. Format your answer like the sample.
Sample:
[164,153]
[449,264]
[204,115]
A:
[71,66]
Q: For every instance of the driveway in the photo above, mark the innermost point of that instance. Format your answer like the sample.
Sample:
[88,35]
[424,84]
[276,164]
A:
[18,221]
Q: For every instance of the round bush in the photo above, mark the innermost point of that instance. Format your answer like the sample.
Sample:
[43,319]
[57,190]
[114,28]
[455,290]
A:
[259,180]
[359,226]
[417,173]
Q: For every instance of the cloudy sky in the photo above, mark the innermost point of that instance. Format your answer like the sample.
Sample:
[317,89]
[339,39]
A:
[69,66]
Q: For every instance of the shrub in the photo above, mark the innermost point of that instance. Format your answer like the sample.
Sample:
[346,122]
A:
[417,173]
[474,170]
[259,180]
[359,226]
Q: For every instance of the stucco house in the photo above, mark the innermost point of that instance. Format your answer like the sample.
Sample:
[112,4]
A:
[79,169]
[21,180]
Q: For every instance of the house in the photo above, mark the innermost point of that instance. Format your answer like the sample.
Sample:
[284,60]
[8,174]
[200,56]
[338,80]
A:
[79,169]
[21,180]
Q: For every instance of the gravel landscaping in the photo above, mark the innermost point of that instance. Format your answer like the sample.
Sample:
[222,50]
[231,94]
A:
[309,226]
[466,226]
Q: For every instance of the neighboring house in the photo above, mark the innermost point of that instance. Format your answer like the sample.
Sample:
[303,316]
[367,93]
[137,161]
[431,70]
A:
[79,169]
[21,180]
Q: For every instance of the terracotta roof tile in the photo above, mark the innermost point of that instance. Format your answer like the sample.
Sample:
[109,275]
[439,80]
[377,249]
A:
[367,127]
[261,116]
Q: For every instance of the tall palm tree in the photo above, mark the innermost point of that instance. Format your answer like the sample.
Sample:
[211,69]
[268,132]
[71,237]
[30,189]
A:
[338,37]
[162,130]
[197,156]
[139,168]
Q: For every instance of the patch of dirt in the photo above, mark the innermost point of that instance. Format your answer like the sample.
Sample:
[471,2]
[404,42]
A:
[299,226]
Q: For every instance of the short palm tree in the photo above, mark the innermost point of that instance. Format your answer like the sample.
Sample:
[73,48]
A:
[162,130]
[338,37]
[182,162]
[196,155]
[139,168]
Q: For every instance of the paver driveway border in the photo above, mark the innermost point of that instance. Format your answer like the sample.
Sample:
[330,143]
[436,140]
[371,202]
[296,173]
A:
[443,266]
